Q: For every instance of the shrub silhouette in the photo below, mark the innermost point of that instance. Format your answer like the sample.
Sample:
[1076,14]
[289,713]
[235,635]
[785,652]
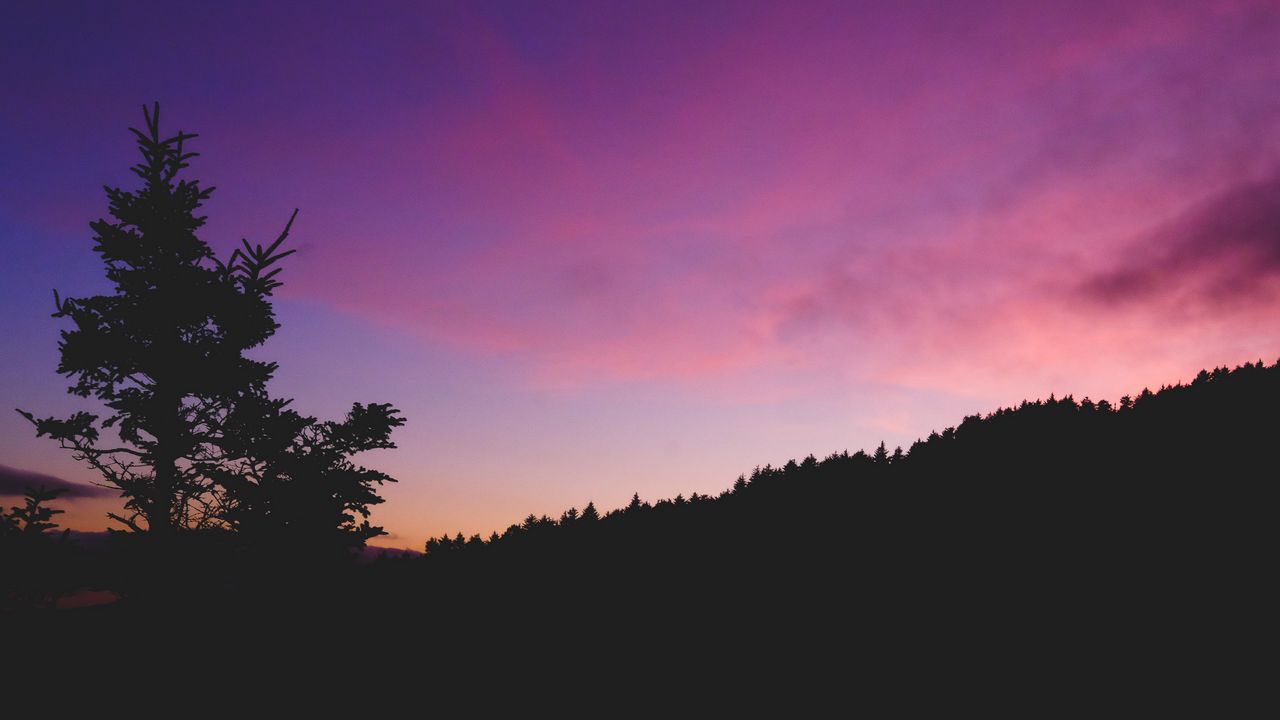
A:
[38,564]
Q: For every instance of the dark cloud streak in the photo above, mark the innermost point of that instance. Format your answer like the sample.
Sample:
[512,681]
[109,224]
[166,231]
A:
[14,483]
[1222,251]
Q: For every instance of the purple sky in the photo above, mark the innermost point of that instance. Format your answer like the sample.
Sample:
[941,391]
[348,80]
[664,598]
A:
[595,248]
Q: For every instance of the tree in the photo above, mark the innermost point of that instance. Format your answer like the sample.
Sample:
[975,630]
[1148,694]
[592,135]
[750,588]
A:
[202,443]
[635,505]
[38,565]
[292,484]
[33,517]
[165,352]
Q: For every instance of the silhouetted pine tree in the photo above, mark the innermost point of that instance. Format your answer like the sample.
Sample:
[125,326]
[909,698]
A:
[165,351]
[202,443]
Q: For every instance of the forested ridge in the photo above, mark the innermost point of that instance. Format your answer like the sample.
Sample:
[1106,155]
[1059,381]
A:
[1062,516]
[1047,458]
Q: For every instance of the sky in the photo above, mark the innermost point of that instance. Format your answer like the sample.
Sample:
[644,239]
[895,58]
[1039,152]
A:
[598,248]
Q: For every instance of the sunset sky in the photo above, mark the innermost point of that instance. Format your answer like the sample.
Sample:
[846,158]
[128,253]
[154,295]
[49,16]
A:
[599,248]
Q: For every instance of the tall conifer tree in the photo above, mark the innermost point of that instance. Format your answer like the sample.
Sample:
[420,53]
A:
[202,442]
[164,352]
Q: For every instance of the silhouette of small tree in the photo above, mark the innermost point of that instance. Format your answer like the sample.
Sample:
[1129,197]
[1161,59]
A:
[33,517]
[36,561]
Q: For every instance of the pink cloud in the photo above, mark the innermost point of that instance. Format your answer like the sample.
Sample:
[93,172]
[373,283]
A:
[929,193]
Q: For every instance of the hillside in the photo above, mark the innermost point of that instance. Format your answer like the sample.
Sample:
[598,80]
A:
[1046,465]
[1065,524]
[1060,518]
